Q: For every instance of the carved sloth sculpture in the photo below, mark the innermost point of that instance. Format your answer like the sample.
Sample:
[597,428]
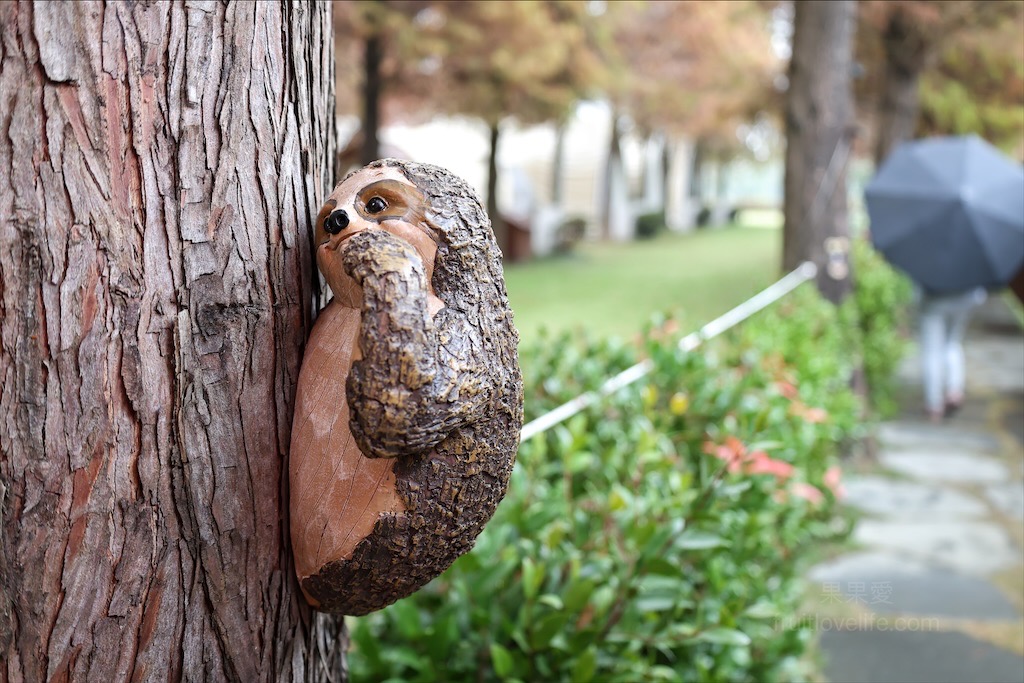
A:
[410,398]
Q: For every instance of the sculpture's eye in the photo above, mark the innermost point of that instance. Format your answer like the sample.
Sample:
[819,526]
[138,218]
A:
[376,205]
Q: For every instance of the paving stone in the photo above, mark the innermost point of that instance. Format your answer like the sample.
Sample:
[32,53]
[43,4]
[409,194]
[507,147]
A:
[855,566]
[1013,417]
[943,464]
[910,500]
[915,656]
[1008,498]
[887,583]
[931,555]
[995,363]
[974,548]
[944,437]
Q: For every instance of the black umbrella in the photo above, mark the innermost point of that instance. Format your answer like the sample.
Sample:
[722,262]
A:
[950,212]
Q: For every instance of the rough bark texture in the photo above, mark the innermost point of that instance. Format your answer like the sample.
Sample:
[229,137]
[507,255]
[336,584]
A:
[158,165]
[438,391]
[819,114]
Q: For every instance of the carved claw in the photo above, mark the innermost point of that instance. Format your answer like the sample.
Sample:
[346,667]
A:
[375,252]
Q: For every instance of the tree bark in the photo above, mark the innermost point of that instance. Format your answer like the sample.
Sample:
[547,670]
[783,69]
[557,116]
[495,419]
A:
[819,116]
[907,51]
[497,224]
[371,98]
[160,165]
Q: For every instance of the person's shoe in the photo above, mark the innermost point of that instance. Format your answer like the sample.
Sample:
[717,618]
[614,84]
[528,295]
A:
[953,405]
[935,416]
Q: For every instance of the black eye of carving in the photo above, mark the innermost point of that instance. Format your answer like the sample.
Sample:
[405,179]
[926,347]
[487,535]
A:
[336,222]
[376,205]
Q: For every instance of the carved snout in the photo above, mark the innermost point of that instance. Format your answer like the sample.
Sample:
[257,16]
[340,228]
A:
[340,225]
[336,222]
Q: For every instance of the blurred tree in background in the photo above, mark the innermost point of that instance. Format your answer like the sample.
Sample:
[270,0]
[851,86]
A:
[528,60]
[672,71]
[692,68]
[697,69]
[935,68]
[489,60]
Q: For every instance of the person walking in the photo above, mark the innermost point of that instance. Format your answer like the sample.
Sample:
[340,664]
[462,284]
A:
[943,323]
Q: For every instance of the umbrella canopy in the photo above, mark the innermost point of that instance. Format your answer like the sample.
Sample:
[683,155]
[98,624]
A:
[950,212]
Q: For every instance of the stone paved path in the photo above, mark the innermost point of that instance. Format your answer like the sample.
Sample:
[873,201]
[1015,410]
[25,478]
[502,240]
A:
[934,590]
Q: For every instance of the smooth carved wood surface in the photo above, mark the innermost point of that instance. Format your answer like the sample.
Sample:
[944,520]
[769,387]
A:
[159,163]
[346,486]
[410,397]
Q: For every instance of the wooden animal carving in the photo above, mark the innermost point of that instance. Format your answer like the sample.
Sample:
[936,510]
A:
[409,403]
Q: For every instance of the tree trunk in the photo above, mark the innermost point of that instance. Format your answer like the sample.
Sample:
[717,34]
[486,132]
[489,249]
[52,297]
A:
[614,160]
[558,165]
[907,51]
[161,163]
[697,170]
[697,190]
[371,99]
[497,224]
[666,171]
[819,114]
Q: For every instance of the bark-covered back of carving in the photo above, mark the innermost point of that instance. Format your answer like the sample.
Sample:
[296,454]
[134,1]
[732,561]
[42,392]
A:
[452,490]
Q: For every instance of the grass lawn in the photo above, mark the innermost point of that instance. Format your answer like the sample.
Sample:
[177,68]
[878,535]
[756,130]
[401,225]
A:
[614,289]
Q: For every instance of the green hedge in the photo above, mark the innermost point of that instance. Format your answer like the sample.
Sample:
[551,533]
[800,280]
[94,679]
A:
[650,224]
[880,303]
[660,536]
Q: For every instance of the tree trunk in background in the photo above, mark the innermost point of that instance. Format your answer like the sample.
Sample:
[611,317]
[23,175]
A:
[614,160]
[819,117]
[497,224]
[907,53]
[558,166]
[697,195]
[666,171]
[697,169]
[159,168]
[371,99]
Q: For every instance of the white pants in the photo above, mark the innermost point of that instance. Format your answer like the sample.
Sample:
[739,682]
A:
[943,326]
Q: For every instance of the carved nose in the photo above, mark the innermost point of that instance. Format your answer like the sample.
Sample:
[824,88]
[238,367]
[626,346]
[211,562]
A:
[336,222]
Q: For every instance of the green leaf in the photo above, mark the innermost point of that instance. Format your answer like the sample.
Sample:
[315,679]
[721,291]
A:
[406,656]
[699,541]
[620,498]
[532,577]
[661,593]
[662,673]
[762,610]
[724,636]
[407,619]
[501,658]
[585,667]
[659,566]
[552,601]
[655,603]
[546,629]
[580,461]
[577,594]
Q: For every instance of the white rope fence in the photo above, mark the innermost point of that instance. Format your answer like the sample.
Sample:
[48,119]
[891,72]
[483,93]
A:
[804,272]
